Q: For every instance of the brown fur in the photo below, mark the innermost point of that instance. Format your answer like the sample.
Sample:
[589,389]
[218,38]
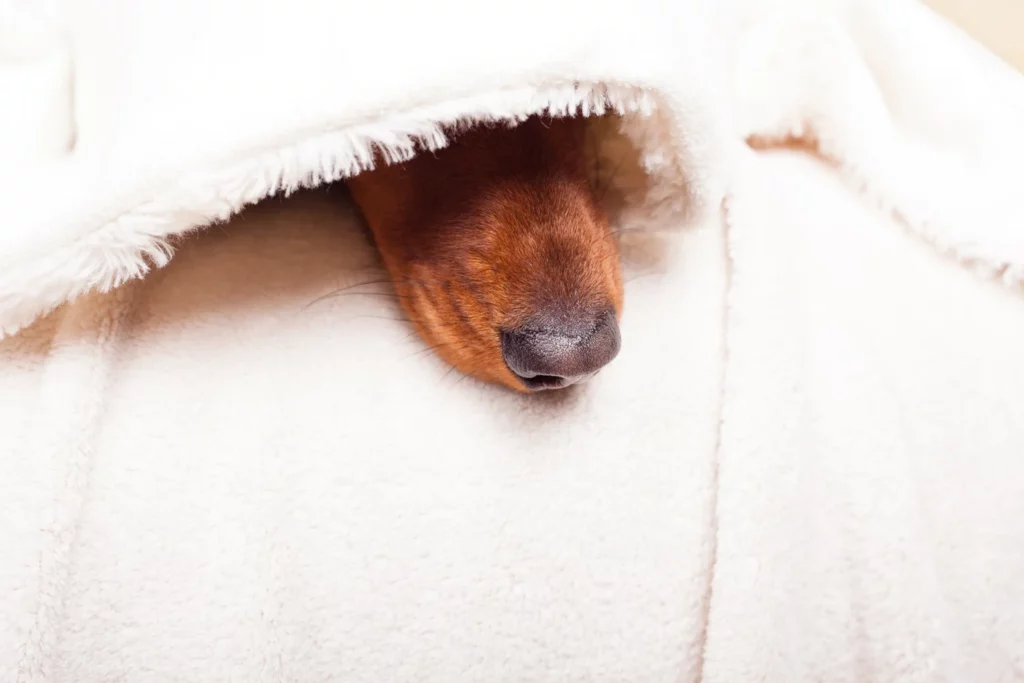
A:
[478,236]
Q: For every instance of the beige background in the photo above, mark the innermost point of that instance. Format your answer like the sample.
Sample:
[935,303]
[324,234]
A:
[997,23]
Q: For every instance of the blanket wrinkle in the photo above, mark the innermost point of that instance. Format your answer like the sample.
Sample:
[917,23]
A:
[698,675]
[68,416]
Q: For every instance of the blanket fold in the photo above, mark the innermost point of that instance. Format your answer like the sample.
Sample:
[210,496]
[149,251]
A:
[268,99]
[804,465]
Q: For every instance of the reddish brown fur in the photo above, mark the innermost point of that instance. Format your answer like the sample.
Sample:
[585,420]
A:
[482,234]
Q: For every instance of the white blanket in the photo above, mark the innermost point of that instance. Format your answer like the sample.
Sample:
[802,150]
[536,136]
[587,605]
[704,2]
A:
[805,464]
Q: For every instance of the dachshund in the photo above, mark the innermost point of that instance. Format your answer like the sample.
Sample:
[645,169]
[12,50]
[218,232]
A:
[500,252]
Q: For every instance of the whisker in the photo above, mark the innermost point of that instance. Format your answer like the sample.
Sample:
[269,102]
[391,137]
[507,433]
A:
[429,348]
[336,292]
[445,375]
[390,295]
[387,281]
[480,353]
[603,235]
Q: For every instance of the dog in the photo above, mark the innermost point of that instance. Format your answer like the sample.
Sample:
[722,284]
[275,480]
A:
[500,253]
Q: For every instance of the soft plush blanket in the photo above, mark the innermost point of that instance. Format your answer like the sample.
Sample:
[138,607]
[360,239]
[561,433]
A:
[805,465]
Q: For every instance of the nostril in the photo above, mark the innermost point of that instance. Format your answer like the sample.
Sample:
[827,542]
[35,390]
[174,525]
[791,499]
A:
[539,382]
[554,352]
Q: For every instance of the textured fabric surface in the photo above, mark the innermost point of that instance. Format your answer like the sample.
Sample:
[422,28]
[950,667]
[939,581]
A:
[805,464]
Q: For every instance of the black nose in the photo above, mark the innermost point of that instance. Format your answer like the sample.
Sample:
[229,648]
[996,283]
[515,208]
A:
[555,351]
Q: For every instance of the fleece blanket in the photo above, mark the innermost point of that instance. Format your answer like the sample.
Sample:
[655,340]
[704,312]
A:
[805,464]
